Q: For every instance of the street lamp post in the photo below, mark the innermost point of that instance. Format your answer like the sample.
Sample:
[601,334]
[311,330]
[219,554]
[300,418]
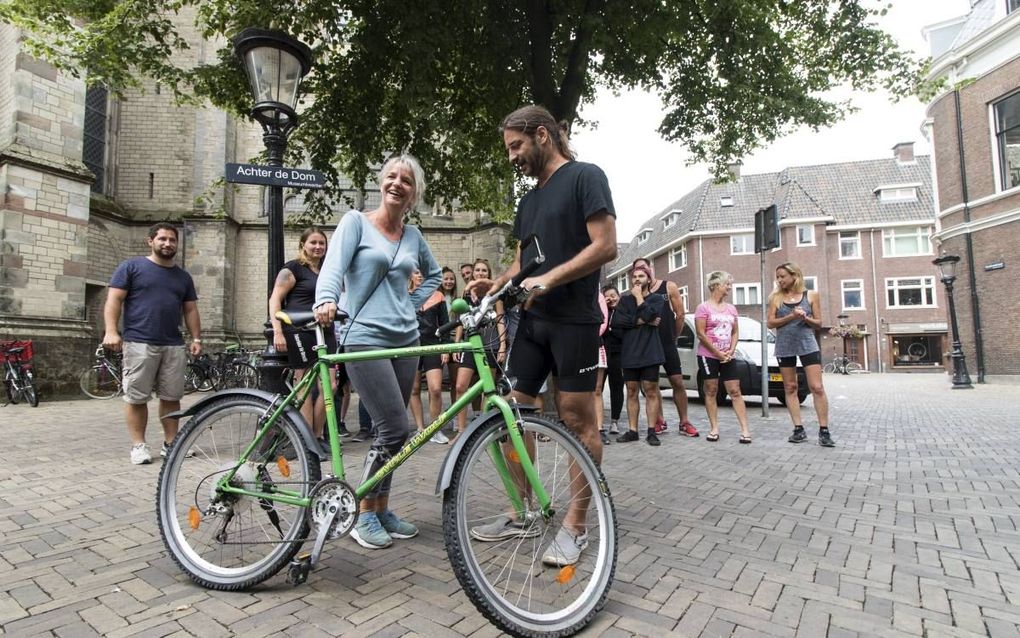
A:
[842,329]
[275,64]
[947,272]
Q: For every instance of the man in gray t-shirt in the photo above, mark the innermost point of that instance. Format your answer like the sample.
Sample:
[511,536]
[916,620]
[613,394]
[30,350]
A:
[152,294]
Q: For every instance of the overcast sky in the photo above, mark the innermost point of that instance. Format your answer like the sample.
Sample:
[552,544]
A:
[647,174]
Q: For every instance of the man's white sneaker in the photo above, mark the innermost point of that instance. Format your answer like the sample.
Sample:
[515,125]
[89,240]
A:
[565,549]
[439,438]
[140,454]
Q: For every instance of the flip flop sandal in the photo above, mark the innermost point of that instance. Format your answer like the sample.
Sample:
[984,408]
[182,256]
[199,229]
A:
[745,439]
[712,438]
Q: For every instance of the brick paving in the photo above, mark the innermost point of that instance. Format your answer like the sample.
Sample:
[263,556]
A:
[907,528]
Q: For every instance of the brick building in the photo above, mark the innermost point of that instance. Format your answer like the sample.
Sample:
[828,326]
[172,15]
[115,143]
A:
[859,230]
[975,124]
[82,177]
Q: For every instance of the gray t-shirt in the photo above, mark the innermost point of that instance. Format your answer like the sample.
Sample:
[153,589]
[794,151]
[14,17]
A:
[796,337]
[372,272]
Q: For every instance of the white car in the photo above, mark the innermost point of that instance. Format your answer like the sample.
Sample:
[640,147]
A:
[748,355]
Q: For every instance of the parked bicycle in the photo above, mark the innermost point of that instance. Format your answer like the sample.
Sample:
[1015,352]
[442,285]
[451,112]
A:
[843,365]
[239,510]
[104,380]
[19,377]
[229,368]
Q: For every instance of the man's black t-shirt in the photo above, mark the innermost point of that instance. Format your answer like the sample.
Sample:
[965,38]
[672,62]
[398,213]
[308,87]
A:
[557,213]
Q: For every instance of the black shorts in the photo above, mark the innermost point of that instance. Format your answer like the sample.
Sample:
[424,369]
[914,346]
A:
[301,346]
[647,373]
[569,351]
[469,360]
[809,359]
[715,369]
[430,362]
[672,363]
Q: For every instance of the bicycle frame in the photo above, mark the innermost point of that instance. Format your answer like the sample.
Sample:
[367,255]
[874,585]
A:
[320,373]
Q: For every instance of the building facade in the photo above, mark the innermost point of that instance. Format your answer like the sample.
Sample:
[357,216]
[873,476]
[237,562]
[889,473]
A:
[974,127]
[860,231]
[83,175]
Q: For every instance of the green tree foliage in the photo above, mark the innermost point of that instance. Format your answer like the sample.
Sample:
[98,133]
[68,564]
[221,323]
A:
[435,77]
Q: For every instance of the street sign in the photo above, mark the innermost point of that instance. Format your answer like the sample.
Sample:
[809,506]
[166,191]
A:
[766,229]
[274,176]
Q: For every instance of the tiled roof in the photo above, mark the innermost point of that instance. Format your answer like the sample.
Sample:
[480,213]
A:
[843,193]
[981,16]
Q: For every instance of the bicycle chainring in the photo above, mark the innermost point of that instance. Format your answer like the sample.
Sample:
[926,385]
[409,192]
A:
[332,496]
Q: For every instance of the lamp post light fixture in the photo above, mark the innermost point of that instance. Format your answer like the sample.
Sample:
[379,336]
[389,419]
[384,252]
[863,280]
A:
[275,64]
[947,273]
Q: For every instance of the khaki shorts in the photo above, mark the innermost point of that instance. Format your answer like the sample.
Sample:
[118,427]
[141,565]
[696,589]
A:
[149,368]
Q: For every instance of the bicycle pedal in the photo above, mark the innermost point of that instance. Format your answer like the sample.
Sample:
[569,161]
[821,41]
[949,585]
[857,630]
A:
[298,570]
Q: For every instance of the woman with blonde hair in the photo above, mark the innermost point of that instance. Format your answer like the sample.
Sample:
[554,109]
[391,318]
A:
[717,327]
[365,273]
[796,313]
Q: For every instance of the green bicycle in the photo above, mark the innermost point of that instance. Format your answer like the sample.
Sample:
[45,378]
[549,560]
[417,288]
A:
[241,490]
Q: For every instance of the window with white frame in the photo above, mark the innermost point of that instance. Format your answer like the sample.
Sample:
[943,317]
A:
[850,245]
[906,242]
[678,257]
[853,294]
[811,283]
[891,195]
[644,235]
[805,234]
[685,298]
[1007,138]
[1012,5]
[742,244]
[910,292]
[670,219]
[746,294]
[622,283]
[726,201]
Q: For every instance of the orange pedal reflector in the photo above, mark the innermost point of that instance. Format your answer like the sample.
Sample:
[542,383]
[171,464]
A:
[513,456]
[194,517]
[283,465]
[566,574]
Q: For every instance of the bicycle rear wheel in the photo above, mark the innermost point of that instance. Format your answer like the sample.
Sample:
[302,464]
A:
[506,578]
[242,375]
[231,542]
[829,368]
[853,367]
[99,382]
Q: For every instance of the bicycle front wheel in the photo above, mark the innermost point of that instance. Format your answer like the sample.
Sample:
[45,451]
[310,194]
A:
[28,388]
[853,367]
[99,382]
[225,541]
[513,575]
[830,368]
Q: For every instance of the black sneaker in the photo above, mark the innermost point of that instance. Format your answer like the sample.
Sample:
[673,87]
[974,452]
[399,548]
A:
[604,436]
[628,436]
[361,435]
[341,428]
[824,438]
[652,439]
[798,436]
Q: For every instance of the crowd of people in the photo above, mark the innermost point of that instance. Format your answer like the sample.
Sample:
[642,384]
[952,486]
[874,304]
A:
[381,273]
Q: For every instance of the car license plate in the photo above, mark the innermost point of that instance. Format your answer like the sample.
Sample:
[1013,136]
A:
[775,377]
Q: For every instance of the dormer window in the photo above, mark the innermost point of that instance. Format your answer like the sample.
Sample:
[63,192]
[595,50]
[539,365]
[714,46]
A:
[670,219]
[726,201]
[644,235]
[894,193]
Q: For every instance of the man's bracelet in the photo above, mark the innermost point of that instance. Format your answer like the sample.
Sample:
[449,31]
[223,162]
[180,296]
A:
[196,341]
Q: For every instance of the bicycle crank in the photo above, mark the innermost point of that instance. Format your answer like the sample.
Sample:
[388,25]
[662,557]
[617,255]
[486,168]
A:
[332,514]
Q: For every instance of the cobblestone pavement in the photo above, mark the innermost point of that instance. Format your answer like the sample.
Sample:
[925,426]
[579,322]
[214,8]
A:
[908,527]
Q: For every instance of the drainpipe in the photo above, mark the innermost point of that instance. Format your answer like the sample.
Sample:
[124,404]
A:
[979,350]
